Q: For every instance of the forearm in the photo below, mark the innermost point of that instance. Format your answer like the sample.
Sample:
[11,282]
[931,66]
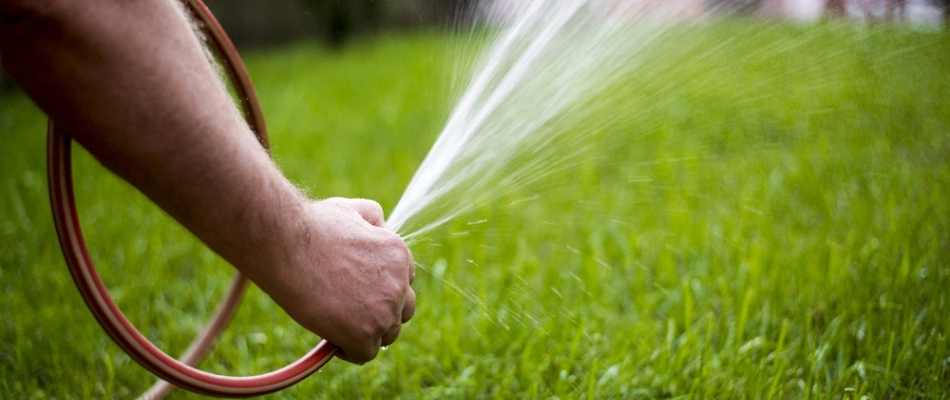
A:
[130,82]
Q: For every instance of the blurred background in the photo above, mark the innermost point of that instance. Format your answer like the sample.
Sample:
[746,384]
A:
[255,23]
[758,210]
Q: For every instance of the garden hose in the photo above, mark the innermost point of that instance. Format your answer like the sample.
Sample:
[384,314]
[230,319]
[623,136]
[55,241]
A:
[181,373]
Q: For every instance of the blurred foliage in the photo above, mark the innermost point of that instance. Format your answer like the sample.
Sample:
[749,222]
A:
[339,19]
[255,23]
[6,85]
[259,23]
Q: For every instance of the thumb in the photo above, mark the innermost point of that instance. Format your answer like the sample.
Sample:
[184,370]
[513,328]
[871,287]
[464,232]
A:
[369,210]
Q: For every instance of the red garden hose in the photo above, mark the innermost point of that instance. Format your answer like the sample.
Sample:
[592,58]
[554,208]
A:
[181,372]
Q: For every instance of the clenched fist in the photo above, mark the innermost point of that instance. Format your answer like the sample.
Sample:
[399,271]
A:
[131,83]
[347,279]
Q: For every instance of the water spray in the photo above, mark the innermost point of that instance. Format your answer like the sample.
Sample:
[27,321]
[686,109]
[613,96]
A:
[181,372]
[488,147]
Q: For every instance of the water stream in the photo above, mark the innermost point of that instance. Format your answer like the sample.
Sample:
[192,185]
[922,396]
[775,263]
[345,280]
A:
[544,71]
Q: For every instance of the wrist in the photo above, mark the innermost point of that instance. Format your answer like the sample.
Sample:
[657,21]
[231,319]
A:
[275,226]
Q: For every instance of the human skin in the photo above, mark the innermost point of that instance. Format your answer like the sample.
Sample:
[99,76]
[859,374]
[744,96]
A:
[130,82]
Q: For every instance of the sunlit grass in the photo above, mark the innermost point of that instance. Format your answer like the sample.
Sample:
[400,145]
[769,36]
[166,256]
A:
[766,218]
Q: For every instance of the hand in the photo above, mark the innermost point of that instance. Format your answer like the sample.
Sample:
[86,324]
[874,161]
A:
[348,278]
[140,95]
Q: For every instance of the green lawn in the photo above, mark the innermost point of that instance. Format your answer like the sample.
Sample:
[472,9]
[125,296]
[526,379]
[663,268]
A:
[769,217]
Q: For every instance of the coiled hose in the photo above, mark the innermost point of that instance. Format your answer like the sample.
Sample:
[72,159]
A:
[182,372]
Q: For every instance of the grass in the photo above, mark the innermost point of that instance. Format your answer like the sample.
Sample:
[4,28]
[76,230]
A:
[771,220]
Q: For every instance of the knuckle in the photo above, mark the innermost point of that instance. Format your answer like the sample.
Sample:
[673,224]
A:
[369,354]
[399,250]
[374,205]
[361,356]
[370,351]
[372,331]
[392,335]
[392,241]
[397,253]
[409,309]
